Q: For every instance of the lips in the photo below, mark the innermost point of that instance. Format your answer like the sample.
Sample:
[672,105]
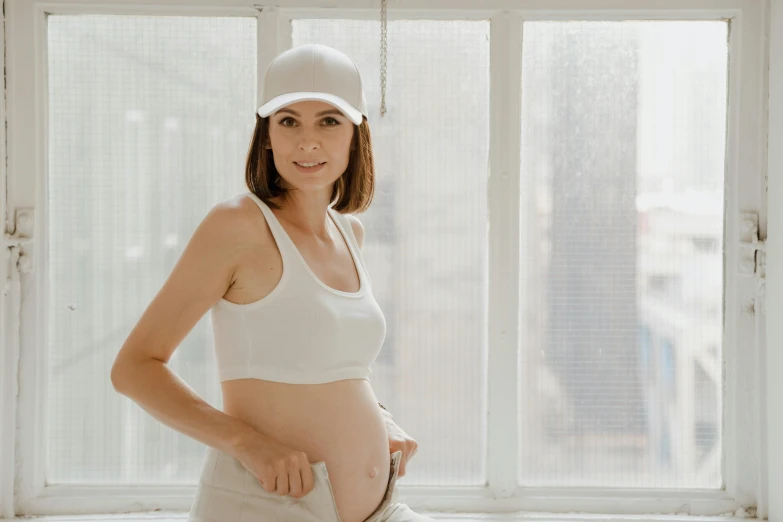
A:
[309,163]
[306,170]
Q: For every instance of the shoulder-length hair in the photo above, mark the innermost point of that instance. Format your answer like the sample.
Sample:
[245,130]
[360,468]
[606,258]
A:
[353,191]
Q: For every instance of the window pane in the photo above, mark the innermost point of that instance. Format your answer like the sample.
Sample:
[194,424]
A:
[426,230]
[622,221]
[150,120]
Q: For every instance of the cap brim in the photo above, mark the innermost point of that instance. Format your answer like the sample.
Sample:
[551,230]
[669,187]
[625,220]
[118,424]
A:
[281,101]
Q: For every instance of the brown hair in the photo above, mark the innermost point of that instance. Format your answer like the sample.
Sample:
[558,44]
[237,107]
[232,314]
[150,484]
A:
[353,190]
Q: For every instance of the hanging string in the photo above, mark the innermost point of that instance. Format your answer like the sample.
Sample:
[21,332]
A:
[383,57]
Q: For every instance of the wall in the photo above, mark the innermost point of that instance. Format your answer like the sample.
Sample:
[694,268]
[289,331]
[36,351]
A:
[775,267]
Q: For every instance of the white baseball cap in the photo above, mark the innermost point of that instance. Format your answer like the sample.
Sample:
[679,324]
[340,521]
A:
[314,72]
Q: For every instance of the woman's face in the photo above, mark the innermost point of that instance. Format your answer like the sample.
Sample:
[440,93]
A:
[309,132]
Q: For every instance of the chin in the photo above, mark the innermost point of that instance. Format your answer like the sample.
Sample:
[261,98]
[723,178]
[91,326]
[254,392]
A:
[303,183]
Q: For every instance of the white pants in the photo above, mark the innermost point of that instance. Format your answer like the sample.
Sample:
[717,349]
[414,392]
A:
[227,492]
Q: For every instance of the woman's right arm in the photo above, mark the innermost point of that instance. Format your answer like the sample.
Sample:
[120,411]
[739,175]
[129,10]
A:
[141,372]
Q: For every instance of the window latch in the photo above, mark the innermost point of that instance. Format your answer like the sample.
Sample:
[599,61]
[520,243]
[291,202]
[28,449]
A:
[17,245]
[753,253]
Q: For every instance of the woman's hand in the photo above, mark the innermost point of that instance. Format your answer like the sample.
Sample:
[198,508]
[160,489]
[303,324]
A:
[400,441]
[277,467]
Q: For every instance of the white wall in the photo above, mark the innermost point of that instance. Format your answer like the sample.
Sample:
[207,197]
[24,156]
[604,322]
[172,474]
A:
[775,267]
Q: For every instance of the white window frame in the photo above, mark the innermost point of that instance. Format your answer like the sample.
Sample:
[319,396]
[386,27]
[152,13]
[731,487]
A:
[746,469]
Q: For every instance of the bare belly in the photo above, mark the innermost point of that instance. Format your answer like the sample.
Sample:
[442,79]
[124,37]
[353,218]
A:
[339,423]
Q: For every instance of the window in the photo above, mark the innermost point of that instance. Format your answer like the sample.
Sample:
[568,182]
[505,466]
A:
[431,153]
[551,242]
[148,115]
[623,131]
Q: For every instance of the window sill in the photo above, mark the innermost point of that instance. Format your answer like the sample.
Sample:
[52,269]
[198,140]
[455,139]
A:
[445,517]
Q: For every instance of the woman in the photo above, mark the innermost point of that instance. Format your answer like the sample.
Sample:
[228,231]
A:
[295,323]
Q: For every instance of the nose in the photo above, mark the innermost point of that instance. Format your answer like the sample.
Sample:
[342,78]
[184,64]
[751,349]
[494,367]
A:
[309,143]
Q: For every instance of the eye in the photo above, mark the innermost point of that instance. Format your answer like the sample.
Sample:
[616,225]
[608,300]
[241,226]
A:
[284,120]
[330,119]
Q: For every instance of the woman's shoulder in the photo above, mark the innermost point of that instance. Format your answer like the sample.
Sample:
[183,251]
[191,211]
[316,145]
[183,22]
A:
[237,224]
[357,227]
[238,211]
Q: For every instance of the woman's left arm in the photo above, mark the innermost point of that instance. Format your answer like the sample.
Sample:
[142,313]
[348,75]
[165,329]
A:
[399,441]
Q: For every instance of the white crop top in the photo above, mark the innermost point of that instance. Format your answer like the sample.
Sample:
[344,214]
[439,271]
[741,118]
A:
[303,332]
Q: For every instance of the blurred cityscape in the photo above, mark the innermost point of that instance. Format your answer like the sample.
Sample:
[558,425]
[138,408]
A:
[621,248]
[623,147]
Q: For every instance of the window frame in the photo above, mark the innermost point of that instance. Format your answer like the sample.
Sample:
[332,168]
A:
[23,306]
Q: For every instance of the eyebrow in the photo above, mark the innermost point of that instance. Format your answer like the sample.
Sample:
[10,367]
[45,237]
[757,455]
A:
[322,113]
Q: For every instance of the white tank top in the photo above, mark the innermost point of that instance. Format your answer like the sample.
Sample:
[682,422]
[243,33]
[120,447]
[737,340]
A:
[303,332]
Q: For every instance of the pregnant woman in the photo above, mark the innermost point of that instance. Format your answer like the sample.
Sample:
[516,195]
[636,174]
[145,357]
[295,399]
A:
[302,437]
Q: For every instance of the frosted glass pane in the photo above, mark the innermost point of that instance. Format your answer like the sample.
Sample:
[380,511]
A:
[622,236]
[426,232]
[150,120]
